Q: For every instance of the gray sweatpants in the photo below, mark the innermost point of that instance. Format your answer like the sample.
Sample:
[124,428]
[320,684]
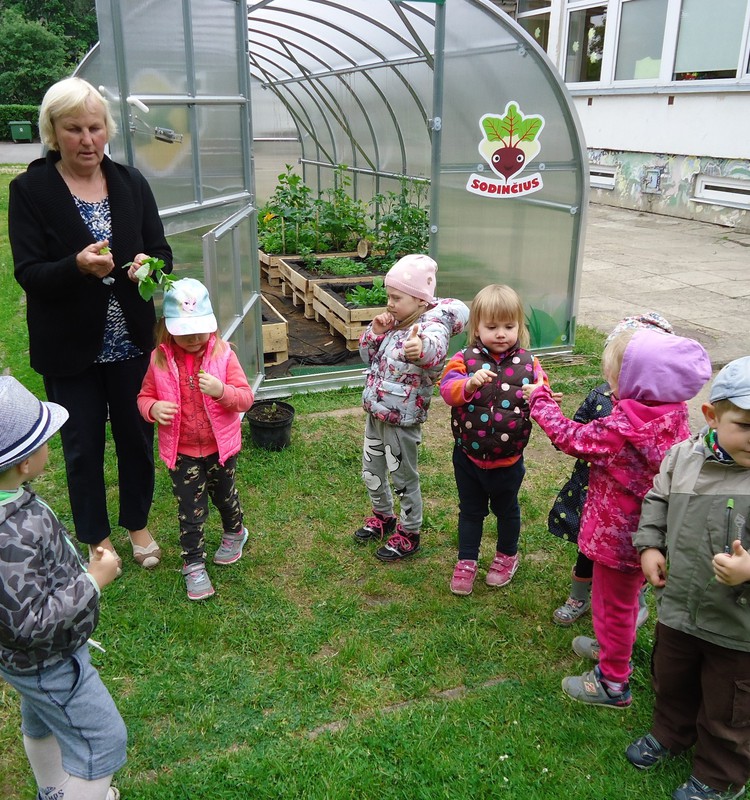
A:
[390,456]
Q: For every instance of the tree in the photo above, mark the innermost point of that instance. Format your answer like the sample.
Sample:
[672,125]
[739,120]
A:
[31,59]
[74,21]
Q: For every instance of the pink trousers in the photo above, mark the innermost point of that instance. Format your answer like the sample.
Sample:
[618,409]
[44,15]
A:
[614,609]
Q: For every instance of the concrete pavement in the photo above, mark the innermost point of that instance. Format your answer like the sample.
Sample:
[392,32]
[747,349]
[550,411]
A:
[695,274]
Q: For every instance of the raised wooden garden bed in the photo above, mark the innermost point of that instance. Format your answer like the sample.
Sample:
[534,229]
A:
[269,264]
[330,305]
[297,282]
[275,335]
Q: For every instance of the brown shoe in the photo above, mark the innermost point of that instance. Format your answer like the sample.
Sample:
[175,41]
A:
[148,556]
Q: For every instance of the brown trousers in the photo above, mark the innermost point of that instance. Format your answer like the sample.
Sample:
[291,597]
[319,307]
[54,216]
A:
[703,699]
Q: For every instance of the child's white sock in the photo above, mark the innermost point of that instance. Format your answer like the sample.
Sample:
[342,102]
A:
[54,782]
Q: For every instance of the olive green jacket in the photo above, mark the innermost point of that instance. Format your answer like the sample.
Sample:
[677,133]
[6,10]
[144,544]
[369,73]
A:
[686,516]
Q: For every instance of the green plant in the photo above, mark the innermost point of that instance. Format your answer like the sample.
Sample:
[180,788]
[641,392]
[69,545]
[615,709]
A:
[402,221]
[288,221]
[151,276]
[341,218]
[341,266]
[368,296]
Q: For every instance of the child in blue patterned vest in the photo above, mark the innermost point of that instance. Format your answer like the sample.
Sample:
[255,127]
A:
[483,384]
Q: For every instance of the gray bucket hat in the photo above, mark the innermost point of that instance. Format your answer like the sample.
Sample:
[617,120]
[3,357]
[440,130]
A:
[25,422]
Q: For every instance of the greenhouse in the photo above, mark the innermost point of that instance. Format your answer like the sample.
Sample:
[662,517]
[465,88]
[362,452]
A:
[446,107]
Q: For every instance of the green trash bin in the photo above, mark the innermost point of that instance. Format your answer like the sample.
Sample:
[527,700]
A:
[20,131]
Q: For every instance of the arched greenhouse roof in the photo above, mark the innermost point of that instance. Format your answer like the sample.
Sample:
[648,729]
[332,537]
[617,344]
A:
[450,97]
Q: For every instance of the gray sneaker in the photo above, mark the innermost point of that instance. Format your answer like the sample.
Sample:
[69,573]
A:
[197,581]
[231,547]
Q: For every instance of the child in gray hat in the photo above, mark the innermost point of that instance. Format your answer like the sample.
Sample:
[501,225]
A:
[695,520]
[49,606]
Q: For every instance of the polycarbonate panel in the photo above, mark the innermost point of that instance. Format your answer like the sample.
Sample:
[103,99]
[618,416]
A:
[231,274]
[215,41]
[220,130]
[154,52]
[529,239]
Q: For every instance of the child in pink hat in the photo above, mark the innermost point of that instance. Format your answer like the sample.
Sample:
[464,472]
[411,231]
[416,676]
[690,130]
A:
[405,348]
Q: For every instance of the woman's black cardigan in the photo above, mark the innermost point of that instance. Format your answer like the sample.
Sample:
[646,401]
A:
[66,310]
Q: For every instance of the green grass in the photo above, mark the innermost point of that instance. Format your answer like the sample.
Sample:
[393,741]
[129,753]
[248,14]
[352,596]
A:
[318,672]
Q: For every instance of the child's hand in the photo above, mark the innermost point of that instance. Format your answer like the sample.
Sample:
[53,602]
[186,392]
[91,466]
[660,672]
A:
[732,568]
[413,345]
[477,380]
[210,385]
[163,411]
[557,397]
[530,388]
[103,566]
[654,566]
[382,323]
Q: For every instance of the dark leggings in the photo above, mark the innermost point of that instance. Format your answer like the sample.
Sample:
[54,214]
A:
[480,490]
[584,567]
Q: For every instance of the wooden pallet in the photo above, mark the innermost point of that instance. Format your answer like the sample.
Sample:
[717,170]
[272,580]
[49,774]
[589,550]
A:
[275,336]
[269,264]
[349,322]
[299,287]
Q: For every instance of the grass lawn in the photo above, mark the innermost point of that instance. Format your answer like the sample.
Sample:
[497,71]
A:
[318,672]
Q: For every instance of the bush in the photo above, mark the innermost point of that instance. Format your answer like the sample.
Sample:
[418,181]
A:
[16,113]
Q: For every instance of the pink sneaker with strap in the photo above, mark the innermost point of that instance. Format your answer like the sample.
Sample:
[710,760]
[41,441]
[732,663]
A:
[464,573]
[502,569]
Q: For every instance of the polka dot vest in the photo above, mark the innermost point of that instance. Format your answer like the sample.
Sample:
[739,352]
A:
[495,422]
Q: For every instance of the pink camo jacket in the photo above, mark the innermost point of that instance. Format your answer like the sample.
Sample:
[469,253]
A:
[625,450]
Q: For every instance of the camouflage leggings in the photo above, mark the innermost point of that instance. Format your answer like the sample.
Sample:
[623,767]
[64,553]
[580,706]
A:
[194,480]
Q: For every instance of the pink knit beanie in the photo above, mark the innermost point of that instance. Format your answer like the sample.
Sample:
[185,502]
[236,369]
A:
[414,275]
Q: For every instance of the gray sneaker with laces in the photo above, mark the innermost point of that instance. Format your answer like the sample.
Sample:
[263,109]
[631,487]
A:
[231,547]
[197,581]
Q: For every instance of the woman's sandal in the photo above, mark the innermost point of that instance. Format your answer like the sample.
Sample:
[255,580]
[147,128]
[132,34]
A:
[148,556]
[570,611]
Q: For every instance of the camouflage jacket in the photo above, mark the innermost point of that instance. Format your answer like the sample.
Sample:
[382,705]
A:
[49,605]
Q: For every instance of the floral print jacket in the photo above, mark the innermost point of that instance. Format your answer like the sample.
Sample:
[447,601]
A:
[398,391]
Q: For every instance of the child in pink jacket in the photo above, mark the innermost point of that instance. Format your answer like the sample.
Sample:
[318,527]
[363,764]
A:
[196,390]
[651,375]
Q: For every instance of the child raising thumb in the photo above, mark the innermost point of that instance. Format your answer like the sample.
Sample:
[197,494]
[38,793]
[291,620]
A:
[413,345]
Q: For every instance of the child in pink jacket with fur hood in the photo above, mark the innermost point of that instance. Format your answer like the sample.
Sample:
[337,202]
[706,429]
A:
[651,375]
[196,391]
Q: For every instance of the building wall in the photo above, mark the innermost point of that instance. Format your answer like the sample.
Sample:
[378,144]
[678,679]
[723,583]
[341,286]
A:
[662,137]
[665,184]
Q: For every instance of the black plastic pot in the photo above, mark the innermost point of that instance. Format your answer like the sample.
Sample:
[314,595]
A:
[270,424]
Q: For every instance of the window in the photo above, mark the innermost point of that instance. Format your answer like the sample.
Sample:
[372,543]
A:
[583,59]
[537,27]
[641,39]
[534,17]
[708,43]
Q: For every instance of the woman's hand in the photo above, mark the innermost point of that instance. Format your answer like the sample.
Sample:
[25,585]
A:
[382,323]
[95,259]
[210,385]
[163,411]
[134,264]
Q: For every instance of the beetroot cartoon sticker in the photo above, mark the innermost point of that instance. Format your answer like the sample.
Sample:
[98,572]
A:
[509,143]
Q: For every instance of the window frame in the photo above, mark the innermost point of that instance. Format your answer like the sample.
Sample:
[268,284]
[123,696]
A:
[664,82]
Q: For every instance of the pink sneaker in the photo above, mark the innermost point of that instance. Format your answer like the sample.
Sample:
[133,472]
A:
[502,569]
[462,581]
